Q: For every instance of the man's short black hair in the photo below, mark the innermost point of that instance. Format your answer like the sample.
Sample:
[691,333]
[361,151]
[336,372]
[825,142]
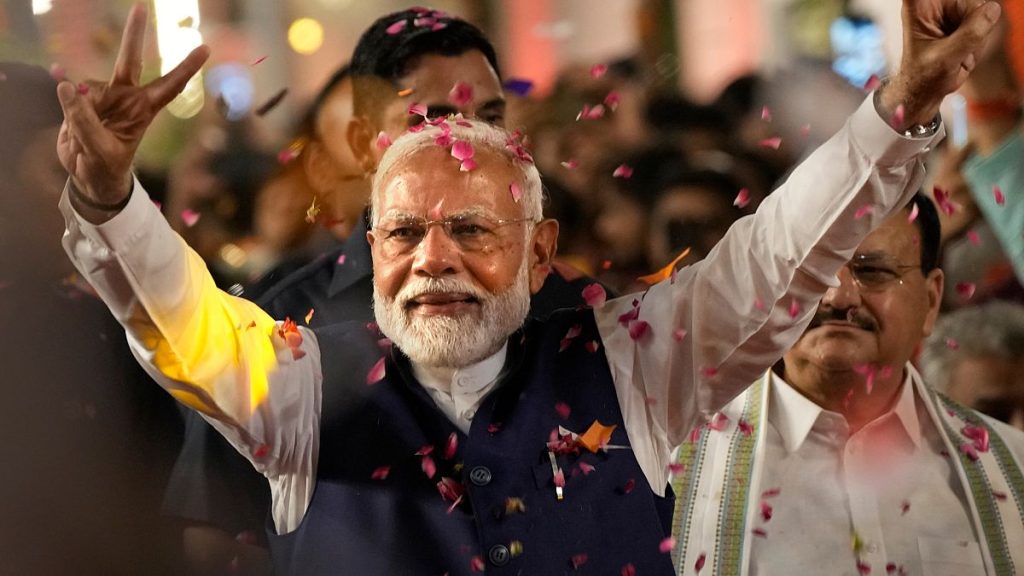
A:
[928,225]
[389,49]
[393,55]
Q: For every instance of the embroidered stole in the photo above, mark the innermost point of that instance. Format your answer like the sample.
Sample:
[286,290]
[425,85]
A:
[721,471]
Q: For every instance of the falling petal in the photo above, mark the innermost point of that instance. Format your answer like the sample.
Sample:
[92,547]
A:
[271,102]
[397,27]
[594,295]
[418,109]
[678,334]
[518,86]
[969,449]
[612,101]
[639,329]
[586,468]
[667,545]
[965,290]
[592,346]
[1001,496]
[759,532]
[258,60]
[666,272]
[451,446]
[699,564]
[863,211]
[794,309]
[771,492]
[606,264]
[773,143]
[287,155]
[998,194]
[766,114]
[952,344]
[628,486]
[376,373]
[719,422]
[709,372]
[596,437]
[742,199]
[82,88]
[863,568]
[461,94]
[676,468]
[872,84]
[598,70]
[570,164]
[898,116]
[309,316]
[515,191]
[383,141]
[563,410]
[588,113]
[946,205]
[189,217]
[973,238]
[261,451]
[58,73]
[578,560]
[745,427]
[628,570]
[913,213]
[428,466]
[380,473]
[559,478]
[477,564]
[623,171]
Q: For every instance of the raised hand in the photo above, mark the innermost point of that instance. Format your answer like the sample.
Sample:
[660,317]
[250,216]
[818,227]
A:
[104,122]
[942,40]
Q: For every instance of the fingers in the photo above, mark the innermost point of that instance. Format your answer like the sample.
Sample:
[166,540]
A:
[128,68]
[84,126]
[969,37]
[162,90]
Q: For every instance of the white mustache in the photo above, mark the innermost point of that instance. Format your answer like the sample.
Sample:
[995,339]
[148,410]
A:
[420,286]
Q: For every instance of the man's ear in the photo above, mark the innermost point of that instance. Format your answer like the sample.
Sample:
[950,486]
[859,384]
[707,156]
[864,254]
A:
[934,285]
[543,244]
[361,140]
[321,172]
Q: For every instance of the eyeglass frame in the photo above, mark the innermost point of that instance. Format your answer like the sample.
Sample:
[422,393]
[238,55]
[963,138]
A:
[445,223]
[897,269]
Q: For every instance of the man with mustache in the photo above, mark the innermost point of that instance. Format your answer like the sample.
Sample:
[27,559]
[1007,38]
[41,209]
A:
[465,440]
[844,442]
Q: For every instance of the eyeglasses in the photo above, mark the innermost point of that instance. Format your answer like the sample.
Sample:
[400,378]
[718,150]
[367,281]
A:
[872,272]
[471,233]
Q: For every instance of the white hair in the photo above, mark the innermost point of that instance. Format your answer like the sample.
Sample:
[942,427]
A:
[482,136]
[992,330]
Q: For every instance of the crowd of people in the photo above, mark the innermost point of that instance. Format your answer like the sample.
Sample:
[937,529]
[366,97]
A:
[807,323]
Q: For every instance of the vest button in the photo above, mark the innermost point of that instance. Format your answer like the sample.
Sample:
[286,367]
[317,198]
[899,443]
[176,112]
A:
[480,476]
[499,555]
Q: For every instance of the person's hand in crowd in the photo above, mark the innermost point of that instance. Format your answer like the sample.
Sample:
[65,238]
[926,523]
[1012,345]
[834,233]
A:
[104,122]
[942,42]
[950,181]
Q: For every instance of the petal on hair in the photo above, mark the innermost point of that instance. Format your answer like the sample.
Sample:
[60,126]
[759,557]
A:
[460,94]
[418,109]
[383,141]
[515,191]
[742,199]
[468,165]
[462,150]
[396,27]
[598,70]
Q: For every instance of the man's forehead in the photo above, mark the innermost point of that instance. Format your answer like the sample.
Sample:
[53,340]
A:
[897,237]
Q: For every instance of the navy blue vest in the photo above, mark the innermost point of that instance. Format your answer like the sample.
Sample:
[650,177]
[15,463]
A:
[509,520]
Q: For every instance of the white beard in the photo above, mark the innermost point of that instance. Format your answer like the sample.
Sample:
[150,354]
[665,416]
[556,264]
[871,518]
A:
[453,341]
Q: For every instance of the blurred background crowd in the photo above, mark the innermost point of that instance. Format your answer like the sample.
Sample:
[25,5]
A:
[655,124]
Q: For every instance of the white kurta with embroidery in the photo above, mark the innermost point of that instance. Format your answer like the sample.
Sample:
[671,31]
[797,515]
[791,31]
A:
[225,357]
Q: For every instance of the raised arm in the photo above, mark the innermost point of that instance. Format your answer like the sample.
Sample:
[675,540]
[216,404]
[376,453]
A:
[720,323]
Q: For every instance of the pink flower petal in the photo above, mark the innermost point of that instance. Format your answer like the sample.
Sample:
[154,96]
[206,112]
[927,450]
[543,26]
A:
[341,259]
[467,165]
[598,70]
[444,140]
[678,334]
[873,83]
[719,422]
[863,568]
[973,238]
[626,317]
[997,193]
[591,346]
[588,113]
[376,373]
[676,468]
[709,372]
[699,564]
[745,427]
[612,101]
[980,436]
[380,473]
[638,329]
[515,191]
[570,164]
[594,295]
[667,545]
[261,451]
[426,22]
[969,449]
[863,211]
[742,199]
[623,171]
[189,217]
[477,564]
[773,143]
[397,27]
[578,560]
[759,532]
[899,116]
[287,155]
[428,466]
[904,507]
[58,73]
[952,344]
[563,410]
[559,478]
[82,88]
[794,309]
[771,492]
[586,468]
[460,94]
[965,290]
[462,150]
[628,486]
[418,109]
[258,60]
[451,446]
[766,114]
[628,570]
[383,141]
[766,511]
[913,214]
[424,450]
[947,206]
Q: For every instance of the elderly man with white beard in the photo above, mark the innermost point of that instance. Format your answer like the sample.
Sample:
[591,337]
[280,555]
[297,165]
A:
[464,439]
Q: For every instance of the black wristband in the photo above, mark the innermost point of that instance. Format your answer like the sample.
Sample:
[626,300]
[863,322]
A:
[86,201]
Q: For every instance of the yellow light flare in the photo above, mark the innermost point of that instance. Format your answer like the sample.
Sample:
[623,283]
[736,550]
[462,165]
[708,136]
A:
[175,42]
[305,36]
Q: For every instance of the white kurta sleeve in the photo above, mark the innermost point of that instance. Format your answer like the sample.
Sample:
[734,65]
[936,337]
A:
[721,322]
[249,376]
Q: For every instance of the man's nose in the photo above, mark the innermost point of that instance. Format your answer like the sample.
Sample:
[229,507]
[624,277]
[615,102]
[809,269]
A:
[846,295]
[437,254]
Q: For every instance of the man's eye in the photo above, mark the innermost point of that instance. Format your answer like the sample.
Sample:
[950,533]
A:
[494,118]
[874,273]
[405,233]
[468,229]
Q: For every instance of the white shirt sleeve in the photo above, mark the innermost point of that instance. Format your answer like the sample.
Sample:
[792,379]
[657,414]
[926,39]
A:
[216,353]
[723,321]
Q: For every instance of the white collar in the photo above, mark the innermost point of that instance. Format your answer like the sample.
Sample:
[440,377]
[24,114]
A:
[468,379]
[794,415]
